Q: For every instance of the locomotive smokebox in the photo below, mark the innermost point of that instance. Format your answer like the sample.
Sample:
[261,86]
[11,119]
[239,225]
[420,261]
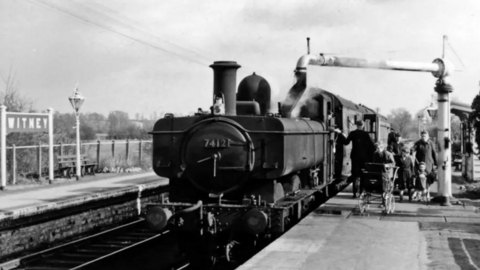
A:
[225,82]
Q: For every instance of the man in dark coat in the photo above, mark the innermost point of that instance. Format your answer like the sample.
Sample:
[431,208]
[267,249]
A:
[395,146]
[424,151]
[391,136]
[362,152]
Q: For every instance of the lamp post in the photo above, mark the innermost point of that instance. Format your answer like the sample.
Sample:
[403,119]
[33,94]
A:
[432,111]
[77,100]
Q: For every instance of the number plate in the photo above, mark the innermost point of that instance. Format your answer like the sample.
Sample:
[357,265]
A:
[216,143]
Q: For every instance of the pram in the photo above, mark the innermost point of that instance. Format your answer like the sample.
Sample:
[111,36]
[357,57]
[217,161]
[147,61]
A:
[375,188]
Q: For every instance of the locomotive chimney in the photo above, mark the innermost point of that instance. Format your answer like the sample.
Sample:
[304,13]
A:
[225,82]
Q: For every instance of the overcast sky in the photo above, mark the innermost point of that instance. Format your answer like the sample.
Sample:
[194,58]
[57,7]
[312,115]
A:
[146,56]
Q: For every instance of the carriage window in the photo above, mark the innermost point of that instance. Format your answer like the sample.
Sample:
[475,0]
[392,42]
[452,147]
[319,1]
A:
[329,113]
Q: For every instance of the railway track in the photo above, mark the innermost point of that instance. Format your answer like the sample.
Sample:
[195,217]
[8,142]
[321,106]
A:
[92,251]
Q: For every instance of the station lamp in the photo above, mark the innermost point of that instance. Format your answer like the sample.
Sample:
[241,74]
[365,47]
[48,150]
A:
[432,111]
[77,100]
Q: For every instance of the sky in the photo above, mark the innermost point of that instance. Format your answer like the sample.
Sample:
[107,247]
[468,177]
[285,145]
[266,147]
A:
[152,56]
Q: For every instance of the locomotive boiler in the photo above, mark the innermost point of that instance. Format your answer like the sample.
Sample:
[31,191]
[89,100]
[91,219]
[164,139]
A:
[240,173]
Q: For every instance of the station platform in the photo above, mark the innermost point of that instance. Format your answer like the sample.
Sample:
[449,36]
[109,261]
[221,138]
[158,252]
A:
[15,203]
[416,236]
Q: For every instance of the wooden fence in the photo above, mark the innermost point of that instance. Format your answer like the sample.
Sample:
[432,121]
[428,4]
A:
[96,151]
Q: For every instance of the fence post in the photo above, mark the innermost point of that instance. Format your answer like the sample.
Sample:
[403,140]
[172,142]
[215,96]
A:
[98,155]
[140,153]
[113,148]
[14,164]
[61,149]
[39,159]
[126,149]
[51,164]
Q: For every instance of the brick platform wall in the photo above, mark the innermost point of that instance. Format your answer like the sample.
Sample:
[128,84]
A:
[23,238]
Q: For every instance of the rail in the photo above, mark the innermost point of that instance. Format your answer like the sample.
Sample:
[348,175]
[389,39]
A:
[89,251]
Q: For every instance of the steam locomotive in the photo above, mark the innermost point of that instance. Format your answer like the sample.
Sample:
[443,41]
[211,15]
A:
[240,173]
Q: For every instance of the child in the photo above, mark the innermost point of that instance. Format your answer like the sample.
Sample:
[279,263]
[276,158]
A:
[382,156]
[420,182]
[432,177]
[405,172]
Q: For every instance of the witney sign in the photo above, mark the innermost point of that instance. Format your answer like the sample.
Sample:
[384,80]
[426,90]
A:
[24,122]
[27,122]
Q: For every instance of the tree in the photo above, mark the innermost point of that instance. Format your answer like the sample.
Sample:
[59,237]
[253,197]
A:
[455,123]
[400,119]
[98,122]
[63,127]
[11,97]
[86,132]
[474,118]
[119,122]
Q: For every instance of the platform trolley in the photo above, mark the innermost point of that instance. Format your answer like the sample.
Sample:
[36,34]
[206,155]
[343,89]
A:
[375,187]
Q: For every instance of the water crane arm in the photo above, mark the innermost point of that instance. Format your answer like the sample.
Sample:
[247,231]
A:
[439,68]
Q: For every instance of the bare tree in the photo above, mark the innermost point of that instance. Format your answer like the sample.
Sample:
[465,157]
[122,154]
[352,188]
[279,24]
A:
[400,118]
[11,97]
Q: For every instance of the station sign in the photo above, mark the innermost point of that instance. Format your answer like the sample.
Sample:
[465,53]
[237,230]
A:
[27,122]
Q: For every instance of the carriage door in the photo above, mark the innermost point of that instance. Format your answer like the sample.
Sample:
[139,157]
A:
[329,167]
[371,126]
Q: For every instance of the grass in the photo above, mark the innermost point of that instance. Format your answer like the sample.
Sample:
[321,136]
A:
[120,161]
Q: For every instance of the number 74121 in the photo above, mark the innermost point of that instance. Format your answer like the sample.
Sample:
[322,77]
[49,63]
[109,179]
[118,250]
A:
[216,143]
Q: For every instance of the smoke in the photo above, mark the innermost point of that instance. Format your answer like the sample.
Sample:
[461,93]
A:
[294,94]
[308,95]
